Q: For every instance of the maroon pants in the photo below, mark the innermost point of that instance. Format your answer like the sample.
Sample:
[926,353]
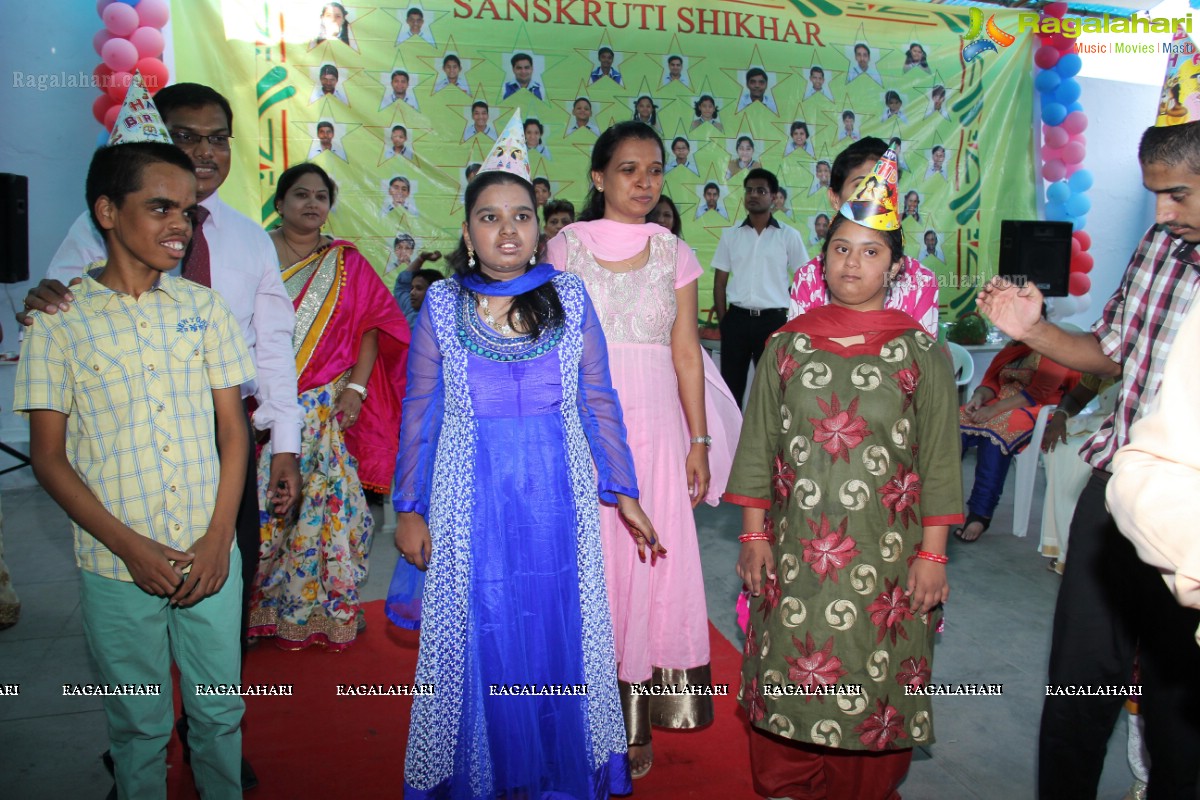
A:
[784,768]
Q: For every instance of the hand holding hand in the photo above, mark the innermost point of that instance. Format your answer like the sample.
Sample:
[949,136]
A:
[210,569]
[284,484]
[156,568]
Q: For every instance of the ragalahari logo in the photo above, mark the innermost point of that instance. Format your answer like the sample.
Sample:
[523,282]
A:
[980,38]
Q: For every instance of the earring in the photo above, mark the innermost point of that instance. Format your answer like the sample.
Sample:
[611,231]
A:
[533,260]
[470,258]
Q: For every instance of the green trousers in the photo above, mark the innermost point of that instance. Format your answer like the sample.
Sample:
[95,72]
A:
[133,636]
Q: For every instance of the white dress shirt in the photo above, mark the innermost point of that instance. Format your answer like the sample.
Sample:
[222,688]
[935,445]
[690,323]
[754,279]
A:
[338,92]
[242,257]
[470,131]
[810,91]
[744,101]
[406,34]
[390,97]
[760,265]
[335,147]
[443,82]
[406,151]
[574,126]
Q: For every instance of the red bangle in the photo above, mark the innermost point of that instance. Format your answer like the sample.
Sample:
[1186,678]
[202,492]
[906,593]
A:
[754,536]
[932,557]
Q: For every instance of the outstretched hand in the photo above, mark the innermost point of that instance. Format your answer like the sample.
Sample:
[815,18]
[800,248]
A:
[1011,308]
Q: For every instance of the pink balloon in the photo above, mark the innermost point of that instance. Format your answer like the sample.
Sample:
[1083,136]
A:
[1046,56]
[1076,122]
[148,41]
[1050,154]
[99,39]
[120,19]
[1073,168]
[154,73]
[119,54]
[1073,153]
[110,116]
[1056,10]
[103,4]
[153,13]
[1084,238]
[117,86]
[1054,170]
[1055,137]
[1079,283]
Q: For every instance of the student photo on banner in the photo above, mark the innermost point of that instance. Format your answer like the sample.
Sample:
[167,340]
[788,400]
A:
[328,85]
[819,225]
[479,122]
[403,248]
[334,26]
[899,150]
[862,62]
[675,68]
[452,74]
[581,117]
[398,143]
[398,86]
[542,191]
[525,72]
[707,112]
[744,156]
[893,107]
[799,138]
[914,56]
[469,174]
[779,202]
[646,110]
[911,206]
[849,129]
[415,27]
[399,196]
[821,171]
[937,163]
[757,90]
[326,140]
[711,199]
[817,83]
[605,59]
[931,247]
[937,102]
[535,137]
[681,156]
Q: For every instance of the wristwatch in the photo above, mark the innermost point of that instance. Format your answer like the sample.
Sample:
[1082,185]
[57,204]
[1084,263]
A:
[358,387]
[704,440]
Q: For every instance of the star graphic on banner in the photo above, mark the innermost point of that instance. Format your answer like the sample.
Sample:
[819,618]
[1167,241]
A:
[821,168]
[582,141]
[914,37]
[760,149]
[341,130]
[675,174]
[873,57]
[625,106]
[436,62]
[928,89]
[817,131]
[330,48]
[417,130]
[465,108]
[659,59]
[712,221]
[592,57]
[477,153]
[841,139]
[738,76]
[405,37]
[311,71]
[500,57]
[416,78]
[724,105]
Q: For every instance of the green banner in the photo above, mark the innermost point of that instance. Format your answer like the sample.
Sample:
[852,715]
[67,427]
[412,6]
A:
[397,102]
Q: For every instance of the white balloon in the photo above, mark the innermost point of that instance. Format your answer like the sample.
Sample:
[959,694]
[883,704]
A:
[1083,302]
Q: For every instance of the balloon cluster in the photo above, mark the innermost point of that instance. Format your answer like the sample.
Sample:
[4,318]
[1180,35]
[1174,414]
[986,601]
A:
[131,40]
[1063,150]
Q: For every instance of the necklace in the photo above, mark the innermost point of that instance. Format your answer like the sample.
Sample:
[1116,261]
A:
[504,329]
[293,250]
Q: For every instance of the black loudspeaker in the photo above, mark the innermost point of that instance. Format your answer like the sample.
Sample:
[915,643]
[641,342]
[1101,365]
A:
[14,228]
[1037,252]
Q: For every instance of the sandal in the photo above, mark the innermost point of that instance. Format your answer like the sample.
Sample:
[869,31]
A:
[972,519]
[643,768]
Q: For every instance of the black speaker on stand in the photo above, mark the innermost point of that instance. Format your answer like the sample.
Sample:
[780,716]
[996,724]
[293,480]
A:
[14,228]
[1038,252]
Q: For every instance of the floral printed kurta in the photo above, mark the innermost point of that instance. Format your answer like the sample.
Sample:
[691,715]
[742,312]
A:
[851,451]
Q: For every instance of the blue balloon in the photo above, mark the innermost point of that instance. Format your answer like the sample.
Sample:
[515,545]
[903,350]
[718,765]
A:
[1076,106]
[1056,212]
[1078,205]
[1047,81]
[1081,181]
[1058,192]
[1079,222]
[129,2]
[1068,91]
[1069,65]
[1053,113]
[102,138]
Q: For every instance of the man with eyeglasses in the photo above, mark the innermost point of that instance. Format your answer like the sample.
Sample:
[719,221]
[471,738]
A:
[232,254]
[761,254]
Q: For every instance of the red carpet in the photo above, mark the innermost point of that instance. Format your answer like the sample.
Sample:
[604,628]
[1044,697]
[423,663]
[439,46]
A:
[306,745]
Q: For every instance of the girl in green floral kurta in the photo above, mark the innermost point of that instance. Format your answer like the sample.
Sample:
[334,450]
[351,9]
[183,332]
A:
[848,462]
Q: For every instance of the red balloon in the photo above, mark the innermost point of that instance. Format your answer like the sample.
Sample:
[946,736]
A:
[1079,283]
[110,116]
[117,86]
[1084,238]
[100,75]
[1082,263]
[100,107]
[1056,10]
[120,19]
[1046,56]
[153,13]
[154,73]
[1075,249]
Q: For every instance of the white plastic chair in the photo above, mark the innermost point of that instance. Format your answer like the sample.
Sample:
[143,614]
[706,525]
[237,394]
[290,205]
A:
[964,365]
[1027,463]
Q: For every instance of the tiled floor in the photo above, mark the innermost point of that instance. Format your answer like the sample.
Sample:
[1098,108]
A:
[997,631]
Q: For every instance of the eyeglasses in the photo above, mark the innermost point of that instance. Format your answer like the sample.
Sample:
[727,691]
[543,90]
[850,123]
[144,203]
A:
[219,141]
[758,190]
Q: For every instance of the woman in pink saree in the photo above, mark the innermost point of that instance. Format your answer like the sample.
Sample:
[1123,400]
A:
[351,345]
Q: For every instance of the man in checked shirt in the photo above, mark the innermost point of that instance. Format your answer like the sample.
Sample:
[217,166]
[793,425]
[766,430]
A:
[1111,605]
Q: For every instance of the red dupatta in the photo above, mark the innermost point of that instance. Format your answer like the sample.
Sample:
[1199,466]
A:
[830,322]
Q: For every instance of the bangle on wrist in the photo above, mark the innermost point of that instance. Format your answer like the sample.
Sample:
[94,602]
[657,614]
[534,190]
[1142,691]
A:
[358,387]
[754,536]
[704,440]
[934,557]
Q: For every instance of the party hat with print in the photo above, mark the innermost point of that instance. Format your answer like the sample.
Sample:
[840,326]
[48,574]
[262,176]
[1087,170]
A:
[1180,99]
[874,202]
[509,153]
[139,120]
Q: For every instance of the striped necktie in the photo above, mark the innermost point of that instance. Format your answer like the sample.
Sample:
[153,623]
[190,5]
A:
[195,263]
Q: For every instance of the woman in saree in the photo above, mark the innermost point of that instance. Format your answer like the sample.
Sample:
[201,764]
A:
[351,346]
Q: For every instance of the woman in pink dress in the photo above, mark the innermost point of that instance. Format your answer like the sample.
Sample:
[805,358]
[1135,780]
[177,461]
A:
[642,280]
